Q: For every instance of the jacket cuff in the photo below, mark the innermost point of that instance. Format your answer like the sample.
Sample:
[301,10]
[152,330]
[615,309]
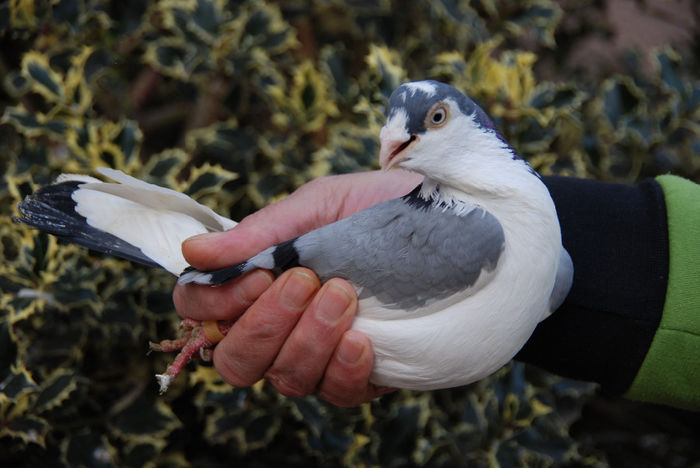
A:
[670,371]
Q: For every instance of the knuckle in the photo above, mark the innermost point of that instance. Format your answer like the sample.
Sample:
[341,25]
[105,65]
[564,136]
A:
[234,375]
[270,325]
[340,393]
[265,330]
[243,292]
[195,301]
[341,400]
[288,386]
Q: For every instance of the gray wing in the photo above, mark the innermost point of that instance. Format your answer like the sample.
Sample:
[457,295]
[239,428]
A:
[405,254]
[562,283]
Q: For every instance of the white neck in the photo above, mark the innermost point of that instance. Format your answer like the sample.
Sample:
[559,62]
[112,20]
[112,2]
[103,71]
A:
[469,162]
[518,199]
[471,166]
[509,182]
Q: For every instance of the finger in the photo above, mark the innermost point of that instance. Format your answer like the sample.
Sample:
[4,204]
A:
[252,344]
[313,205]
[215,250]
[225,302]
[301,363]
[346,381]
[281,221]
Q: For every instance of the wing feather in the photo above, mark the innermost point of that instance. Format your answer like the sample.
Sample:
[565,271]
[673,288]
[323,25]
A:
[406,256]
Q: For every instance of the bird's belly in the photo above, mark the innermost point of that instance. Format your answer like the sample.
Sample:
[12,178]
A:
[447,345]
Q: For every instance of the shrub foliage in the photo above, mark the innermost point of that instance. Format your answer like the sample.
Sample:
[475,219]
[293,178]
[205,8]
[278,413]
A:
[237,104]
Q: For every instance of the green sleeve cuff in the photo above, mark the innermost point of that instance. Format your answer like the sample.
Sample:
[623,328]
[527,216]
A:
[670,372]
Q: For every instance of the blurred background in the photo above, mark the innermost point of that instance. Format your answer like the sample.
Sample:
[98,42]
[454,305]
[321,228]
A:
[237,104]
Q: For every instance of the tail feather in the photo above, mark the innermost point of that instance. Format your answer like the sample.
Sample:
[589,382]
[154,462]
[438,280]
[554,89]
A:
[159,198]
[131,219]
[52,209]
[215,277]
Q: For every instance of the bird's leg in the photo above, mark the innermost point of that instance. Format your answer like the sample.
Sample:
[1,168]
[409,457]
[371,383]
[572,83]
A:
[195,338]
[184,331]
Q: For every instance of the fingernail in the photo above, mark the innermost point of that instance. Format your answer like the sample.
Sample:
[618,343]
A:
[349,350]
[298,289]
[334,301]
[258,279]
[254,284]
[205,237]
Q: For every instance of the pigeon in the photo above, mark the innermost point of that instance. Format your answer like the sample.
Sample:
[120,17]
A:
[452,278]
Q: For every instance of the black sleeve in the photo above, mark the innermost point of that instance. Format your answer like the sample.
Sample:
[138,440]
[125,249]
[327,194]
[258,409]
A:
[617,237]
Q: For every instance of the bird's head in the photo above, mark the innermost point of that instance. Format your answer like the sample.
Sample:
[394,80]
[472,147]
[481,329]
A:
[434,129]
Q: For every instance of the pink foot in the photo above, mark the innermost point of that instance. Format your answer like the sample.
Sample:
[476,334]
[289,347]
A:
[197,338]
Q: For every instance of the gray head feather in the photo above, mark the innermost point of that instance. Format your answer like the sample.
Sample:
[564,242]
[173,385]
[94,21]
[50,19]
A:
[417,98]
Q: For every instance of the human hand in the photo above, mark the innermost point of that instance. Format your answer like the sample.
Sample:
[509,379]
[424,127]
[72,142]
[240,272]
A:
[291,330]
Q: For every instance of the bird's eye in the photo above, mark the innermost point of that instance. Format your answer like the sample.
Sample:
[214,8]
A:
[437,116]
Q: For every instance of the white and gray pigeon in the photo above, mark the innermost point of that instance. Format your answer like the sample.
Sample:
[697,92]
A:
[452,278]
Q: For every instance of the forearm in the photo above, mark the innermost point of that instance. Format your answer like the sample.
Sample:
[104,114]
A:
[614,327]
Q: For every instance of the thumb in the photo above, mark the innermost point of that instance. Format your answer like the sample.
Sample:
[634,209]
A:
[276,223]
[314,204]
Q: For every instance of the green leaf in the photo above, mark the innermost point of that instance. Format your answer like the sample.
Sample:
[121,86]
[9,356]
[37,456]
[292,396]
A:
[668,68]
[57,126]
[45,81]
[28,429]
[225,144]
[67,11]
[621,99]
[384,71]
[145,417]
[163,168]
[564,98]
[335,64]
[56,390]
[16,84]
[251,429]
[172,57]
[207,16]
[8,350]
[129,140]
[207,180]
[24,121]
[350,149]
[539,18]
[18,384]
[400,434]
[143,450]
[88,449]
[265,28]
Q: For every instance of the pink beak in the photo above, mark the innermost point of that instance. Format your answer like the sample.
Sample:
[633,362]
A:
[394,141]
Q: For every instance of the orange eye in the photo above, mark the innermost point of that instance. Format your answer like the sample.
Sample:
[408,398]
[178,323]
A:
[437,116]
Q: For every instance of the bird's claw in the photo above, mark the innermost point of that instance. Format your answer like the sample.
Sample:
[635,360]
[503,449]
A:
[195,340]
